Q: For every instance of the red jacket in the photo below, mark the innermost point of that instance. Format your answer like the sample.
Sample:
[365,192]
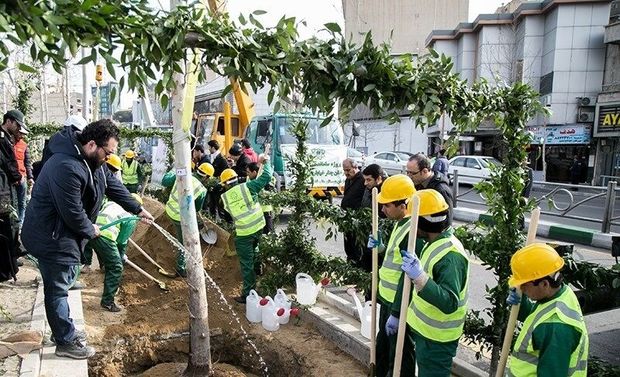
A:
[252,156]
[23,160]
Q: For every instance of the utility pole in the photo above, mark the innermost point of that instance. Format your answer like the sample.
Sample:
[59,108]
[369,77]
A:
[85,109]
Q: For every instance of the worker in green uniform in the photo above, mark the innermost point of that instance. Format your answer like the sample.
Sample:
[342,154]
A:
[241,202]
[394,197]
[440,279]
[129,171]
[553,340]
[253,170]
[199,179]
[110,248]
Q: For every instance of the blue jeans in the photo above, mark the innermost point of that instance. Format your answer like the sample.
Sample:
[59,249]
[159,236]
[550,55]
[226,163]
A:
[21,200]
[57,279]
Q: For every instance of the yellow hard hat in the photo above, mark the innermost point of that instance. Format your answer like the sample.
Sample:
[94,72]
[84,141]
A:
[138,198]
[431,202]
[130,154]
[206,170]
[396,187]
[114,161]
[193,165]
[228,175]
[533,262]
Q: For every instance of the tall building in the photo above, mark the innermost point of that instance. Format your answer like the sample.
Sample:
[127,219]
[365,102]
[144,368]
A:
[557,47]
[107,105]
[404,24]
[56,107]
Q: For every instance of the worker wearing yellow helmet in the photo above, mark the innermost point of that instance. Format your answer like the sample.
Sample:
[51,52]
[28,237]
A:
[130,170]
[110,248]
[553,340]
[115,166]
[440,278]
[394,197]
[199,179]
[241,202]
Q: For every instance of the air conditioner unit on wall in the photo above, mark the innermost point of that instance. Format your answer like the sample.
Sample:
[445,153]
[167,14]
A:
[586,101]
[585,117]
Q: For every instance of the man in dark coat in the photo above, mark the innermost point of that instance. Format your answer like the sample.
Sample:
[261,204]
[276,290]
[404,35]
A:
[241,162]
[373,177]
[352,199]
[423,177]
[61,215]
[217,160]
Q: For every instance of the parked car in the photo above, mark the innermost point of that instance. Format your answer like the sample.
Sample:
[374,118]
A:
[472,169]
[393,162]
[357,156]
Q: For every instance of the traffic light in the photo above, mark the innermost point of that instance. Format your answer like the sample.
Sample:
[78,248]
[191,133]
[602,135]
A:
[99,74]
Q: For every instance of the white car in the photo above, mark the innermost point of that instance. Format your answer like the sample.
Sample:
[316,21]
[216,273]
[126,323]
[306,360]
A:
[357,156]
[472,169]
[391,162]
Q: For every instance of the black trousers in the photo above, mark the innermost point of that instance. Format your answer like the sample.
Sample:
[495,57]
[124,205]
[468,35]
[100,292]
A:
[352,249]
[8,249]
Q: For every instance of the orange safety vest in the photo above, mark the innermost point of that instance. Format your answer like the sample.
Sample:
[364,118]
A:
[20,155]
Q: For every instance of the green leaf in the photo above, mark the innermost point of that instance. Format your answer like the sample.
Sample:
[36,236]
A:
[369,87]
[333,27]
[26,68]
[163,100]
[259,12]
[242,20]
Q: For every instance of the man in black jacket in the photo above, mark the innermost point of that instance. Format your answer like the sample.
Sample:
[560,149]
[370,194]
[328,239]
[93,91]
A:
[241,162]
[61,215]
[217,160]
[423,177]
[352,199]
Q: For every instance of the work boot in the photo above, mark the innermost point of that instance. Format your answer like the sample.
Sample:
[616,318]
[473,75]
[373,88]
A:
[111,307]
[240,299]
[75,350]
[78,335]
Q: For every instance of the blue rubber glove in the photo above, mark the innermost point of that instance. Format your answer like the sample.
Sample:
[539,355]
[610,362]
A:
[372,242]
[391,326]
[513,297]
[411,265]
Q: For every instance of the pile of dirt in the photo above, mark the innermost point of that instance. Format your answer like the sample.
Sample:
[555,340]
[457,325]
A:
[153,328]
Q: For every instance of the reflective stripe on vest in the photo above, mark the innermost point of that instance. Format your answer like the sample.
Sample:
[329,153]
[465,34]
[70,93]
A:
[566,309]
[130,172]
[247,214]
[424,317]
[111,212]
[172,206]
[390,272]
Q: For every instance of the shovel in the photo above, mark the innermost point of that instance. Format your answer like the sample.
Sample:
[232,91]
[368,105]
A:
[161,270]
[161,284]
[208,235]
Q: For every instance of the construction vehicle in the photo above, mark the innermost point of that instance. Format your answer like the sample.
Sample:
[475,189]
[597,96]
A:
[326,143]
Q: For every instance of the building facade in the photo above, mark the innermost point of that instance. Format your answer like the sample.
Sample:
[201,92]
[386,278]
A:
[107,105]
[57,107]
[556,46]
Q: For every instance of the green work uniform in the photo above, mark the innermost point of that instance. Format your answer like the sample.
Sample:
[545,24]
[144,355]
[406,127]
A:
[390,277]
[553,340]
[129,172]
[174,213]
[436,314]
[241,202]
[110,246]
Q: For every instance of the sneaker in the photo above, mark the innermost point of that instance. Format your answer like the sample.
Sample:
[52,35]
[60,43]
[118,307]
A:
[75,350]
[111,307]
[240,299]
[77,285]
[78,335]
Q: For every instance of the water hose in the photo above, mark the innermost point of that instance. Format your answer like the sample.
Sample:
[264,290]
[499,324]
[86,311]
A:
[128,218]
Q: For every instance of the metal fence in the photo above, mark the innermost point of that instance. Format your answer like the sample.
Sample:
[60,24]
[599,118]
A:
[551,194]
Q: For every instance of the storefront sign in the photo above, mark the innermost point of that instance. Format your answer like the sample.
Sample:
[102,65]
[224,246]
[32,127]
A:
[562,135]
[607,120]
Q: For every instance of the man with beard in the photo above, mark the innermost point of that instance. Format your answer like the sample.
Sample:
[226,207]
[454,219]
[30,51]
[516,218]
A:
[352,199]
[61,215]
[423,177]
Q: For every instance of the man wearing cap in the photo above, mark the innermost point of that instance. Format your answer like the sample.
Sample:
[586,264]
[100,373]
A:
[22,154]
[10,178]
[553,340]
[199,180]
[130,171]
[241,161]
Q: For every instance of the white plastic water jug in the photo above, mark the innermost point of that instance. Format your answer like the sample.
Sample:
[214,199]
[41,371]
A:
[307,290]
[271,315]
[252,307]
[365,319]
[282,301]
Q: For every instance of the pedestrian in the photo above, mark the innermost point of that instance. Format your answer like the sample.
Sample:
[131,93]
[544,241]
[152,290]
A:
[111,246]
[241,202]
[247,149]
[10,179]
[130,171]
[199,179]
[423,177]
[441,163]
[240,160]
[352,199]
[253,171]
[199,156]
[396,192]
[217,160]
[219,165]
[440,278]
[61,215]
[553,340]
[373,177]
[576,171]
[76,123]
[22,155]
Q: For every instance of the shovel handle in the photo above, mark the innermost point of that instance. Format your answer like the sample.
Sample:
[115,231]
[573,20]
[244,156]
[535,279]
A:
[144,253]
[150,277]
[514,310]
[375,272]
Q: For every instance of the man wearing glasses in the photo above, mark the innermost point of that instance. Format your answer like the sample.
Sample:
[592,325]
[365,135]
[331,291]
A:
[61,215]
[419,169]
